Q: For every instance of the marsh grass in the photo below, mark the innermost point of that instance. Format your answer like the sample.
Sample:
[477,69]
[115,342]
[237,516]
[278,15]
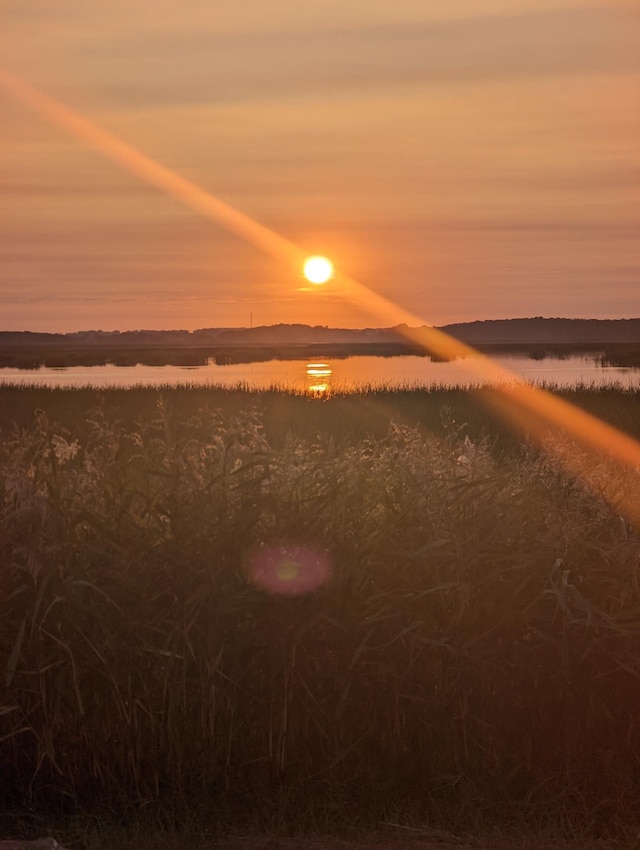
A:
[475,654]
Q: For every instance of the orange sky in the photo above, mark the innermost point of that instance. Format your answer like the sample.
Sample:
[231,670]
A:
[467,160]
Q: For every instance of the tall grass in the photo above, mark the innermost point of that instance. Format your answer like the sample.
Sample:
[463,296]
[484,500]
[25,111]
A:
[477,646]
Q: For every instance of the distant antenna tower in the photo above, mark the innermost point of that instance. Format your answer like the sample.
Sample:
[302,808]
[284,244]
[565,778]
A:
[250,320]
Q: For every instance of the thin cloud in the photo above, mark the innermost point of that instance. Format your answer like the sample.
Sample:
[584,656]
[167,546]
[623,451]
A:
[197,68]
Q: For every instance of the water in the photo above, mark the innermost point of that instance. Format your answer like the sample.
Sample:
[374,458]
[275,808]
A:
[317,377]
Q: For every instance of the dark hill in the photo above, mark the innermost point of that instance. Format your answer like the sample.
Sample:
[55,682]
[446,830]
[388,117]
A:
[493,331]
[540,330]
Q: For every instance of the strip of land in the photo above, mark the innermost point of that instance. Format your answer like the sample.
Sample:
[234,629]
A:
[614,342]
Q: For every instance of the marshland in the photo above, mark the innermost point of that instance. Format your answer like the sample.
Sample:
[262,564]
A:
[444,628]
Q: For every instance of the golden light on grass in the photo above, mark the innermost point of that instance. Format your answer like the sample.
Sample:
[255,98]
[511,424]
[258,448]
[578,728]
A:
[318,270]
[534,411]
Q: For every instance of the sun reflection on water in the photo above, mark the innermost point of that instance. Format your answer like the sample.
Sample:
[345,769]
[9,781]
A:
[319,376]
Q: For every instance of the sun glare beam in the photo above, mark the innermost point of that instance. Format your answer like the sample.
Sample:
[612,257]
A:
[151,172]
[536,412]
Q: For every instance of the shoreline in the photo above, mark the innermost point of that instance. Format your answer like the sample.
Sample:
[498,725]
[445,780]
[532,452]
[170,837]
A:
[33,356]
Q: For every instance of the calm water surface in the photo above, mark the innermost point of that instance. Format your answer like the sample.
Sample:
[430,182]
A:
[317,377]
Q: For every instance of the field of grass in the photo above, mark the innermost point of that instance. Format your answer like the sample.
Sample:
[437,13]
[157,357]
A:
[467,653]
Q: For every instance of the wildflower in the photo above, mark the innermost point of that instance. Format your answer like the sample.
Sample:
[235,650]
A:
[64,450]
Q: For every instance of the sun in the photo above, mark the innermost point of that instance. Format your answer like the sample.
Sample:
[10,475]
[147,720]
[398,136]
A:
[318,269]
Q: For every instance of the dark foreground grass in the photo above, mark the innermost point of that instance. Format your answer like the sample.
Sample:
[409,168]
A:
[472,659]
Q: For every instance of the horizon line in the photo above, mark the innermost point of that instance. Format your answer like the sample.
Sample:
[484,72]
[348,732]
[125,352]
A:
[326,327]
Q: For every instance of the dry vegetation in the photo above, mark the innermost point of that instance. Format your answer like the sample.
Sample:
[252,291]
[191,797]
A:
[474,657]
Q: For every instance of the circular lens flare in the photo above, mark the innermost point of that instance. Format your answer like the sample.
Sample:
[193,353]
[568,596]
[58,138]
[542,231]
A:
[318,270]
[288,569]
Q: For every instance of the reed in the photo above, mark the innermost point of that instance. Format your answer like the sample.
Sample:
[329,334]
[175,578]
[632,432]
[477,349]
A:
[475,648]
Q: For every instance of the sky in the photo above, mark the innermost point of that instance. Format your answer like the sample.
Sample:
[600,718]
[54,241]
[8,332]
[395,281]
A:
[464,160]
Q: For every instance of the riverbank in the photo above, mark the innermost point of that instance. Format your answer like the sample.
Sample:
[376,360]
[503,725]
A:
[64,355]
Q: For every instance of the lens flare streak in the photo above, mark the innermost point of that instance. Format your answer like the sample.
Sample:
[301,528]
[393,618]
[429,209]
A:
[151,172]
[532,410]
